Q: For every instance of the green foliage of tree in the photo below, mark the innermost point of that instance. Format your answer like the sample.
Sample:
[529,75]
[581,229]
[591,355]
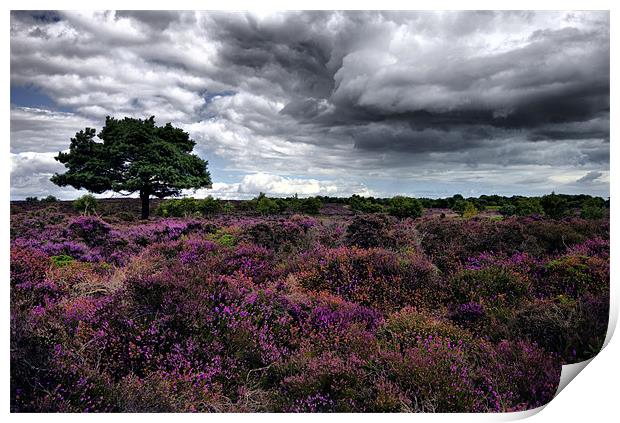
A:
[554,206]
[179,207]
[508,206]
[593,208]
[32,199]
[470,210]
[282,204]
[189,206]
[265,205]
[402,207]
[459,206]
[294,203]
[508,210]
[228,207]
[454,200]
[528,206]
[365,204]
[86,204]
[310,205]
[210,206]
[49,199]
[134,155]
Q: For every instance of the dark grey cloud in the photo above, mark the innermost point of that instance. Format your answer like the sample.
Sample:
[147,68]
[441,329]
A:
[558,77]
[589,177]
[155,20]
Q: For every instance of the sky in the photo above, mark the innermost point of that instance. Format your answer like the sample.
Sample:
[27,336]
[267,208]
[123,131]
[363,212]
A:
[427,104]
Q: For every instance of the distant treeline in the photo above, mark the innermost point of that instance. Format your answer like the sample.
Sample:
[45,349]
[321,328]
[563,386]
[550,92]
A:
[552,205]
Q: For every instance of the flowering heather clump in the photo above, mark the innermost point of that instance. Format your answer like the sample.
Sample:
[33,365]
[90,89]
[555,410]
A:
[468,313]
[375,276]
[408,327]
[369,231]
[90,229]
[252,261]
[334,313]
[28,266]
[573,329]
[281,235]
[576,275]
[489,285]
[595,247]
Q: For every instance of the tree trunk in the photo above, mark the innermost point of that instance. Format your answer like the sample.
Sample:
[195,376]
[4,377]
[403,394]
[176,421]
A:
[144,197]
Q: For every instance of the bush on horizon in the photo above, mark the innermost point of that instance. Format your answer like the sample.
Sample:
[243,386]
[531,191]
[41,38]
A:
[402,207]
[86,204]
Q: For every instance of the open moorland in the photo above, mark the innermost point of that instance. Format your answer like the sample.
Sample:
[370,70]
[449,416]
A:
[334,306]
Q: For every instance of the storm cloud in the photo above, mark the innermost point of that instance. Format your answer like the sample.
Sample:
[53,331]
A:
[328,101]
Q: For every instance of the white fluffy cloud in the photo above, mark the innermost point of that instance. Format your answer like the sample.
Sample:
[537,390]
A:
[30,169]
[279,186]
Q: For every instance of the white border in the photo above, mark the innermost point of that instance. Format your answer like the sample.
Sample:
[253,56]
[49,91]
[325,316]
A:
[592,396]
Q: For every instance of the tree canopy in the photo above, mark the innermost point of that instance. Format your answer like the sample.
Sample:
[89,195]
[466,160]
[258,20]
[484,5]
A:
[402,207]
[134,155]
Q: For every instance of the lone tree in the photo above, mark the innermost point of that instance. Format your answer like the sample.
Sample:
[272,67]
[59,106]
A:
[134,155]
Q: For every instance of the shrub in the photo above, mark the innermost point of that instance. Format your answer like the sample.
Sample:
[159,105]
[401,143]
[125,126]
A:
[86,204]
[265,205]
[470,210]
[408,327]
[186,207]
[32,200]
[575,330]
[436,375]
[372,277]
[491,284]
[554,206]
[253,262]
[365,205]
[92,230]
[182,207]
[522,375]
[158,392]
[405,207]
[368,231]
[590,326]
[223,238]
[280,314]
[551,237]
[210,206]
[228,207]
[126,216]
[326,383]
[575,276]
[49,199]
[468,314]
[28,265]
[459,205]
[277,236]
[61,260]
[508,210]
[528,207]
[593,208]
[594,247]
[310,205]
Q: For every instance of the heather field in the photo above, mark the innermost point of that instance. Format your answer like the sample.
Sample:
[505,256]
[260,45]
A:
[341,311]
